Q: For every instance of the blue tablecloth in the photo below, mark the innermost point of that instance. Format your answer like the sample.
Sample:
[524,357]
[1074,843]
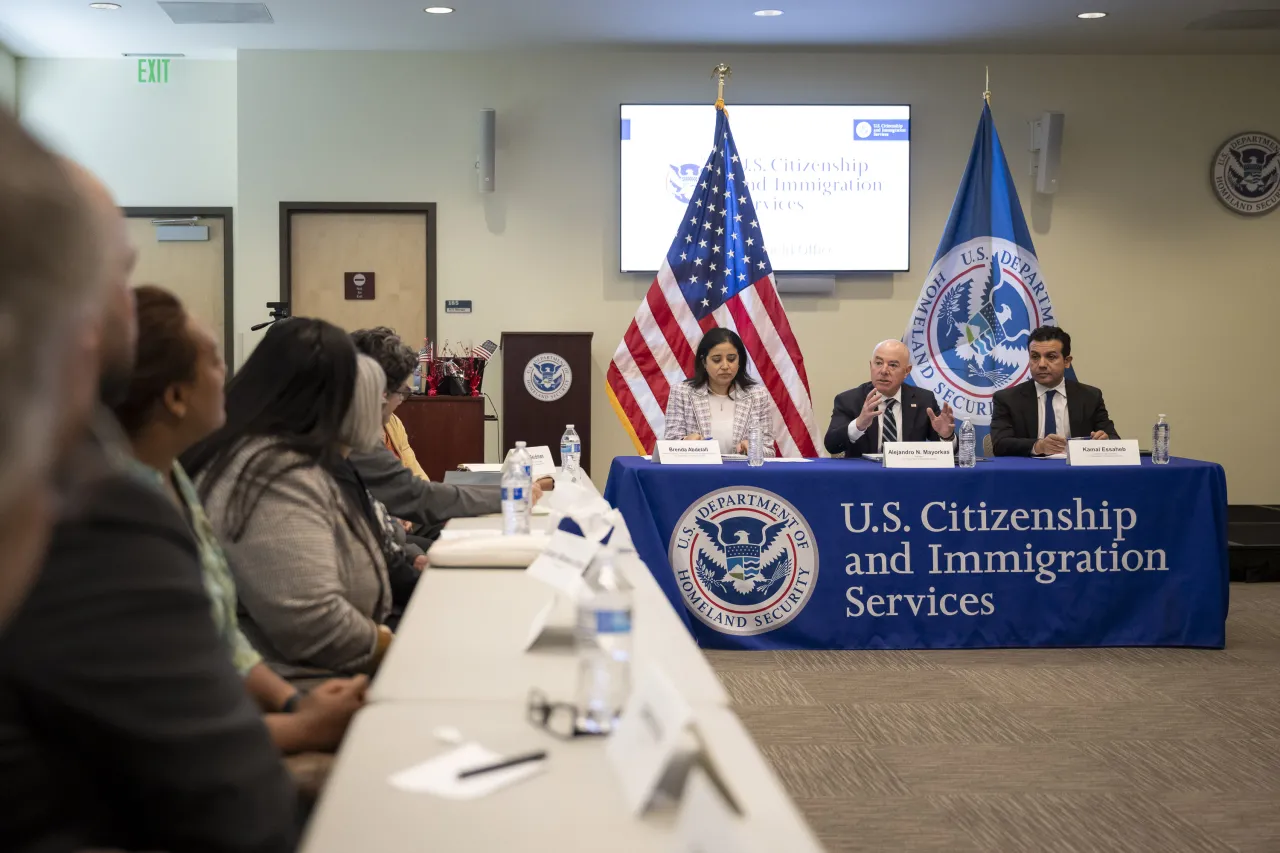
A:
[844,554]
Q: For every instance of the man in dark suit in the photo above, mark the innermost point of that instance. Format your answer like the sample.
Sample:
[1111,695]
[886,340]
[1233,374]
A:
[1035,418]
[884,409]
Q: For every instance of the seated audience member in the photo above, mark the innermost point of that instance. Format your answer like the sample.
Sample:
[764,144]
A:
[310,574]
[384,346]
[720,401]
[175,399]
[1036,418]
[123,724]
[46,377]
[886,409]
[424,504]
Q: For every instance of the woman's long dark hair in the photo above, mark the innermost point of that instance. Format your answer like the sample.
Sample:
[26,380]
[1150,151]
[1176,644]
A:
[710,341]
[295,388]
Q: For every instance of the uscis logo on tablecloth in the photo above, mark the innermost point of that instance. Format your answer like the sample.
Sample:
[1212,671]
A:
[968,333]
[1246,173]
[745,560]
[547,377]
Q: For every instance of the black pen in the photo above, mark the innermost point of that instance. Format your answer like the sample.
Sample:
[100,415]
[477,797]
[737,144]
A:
[504,764]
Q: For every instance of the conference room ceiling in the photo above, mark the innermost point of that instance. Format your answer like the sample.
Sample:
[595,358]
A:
[70,28]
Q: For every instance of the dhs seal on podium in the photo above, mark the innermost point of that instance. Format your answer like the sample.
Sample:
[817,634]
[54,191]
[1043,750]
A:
[745,560]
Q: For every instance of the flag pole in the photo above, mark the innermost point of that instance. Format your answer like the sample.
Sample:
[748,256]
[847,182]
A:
[986,92]
[720,73]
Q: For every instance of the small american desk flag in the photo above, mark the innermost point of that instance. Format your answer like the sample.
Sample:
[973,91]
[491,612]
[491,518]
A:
[484,351]
[716,273]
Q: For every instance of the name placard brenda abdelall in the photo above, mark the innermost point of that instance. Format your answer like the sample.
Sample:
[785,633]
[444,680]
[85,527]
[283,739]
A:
[687,453]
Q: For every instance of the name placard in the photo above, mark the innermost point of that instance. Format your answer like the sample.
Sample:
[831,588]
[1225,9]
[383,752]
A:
[563,562]
[544,464]
[687,452]
[649,735]
[1087,452]
[919,454]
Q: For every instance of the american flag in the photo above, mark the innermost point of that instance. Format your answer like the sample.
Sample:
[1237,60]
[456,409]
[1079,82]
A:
[484,351]
[716,273]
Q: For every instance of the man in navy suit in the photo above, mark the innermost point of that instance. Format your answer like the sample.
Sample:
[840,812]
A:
[1036,418]
[884,409]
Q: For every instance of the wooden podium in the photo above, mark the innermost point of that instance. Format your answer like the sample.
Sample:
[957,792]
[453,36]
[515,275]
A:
[546,384]
[444,432]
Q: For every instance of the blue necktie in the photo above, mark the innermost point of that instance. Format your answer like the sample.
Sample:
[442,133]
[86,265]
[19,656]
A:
[1050,420]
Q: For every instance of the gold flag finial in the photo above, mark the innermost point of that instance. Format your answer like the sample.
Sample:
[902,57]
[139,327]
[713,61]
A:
[720,73]
[986,92]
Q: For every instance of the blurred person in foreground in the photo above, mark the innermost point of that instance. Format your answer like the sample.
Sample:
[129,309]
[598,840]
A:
[123,723]
[48,346]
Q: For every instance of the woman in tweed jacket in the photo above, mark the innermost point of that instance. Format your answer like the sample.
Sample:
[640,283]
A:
[721,401]
[310,571]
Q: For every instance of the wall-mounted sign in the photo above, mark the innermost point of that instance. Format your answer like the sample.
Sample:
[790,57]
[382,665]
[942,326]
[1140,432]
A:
[1246,173]
[457,306]
[358,285]
[153,71]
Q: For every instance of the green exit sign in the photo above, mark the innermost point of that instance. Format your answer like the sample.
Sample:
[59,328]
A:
[153,71]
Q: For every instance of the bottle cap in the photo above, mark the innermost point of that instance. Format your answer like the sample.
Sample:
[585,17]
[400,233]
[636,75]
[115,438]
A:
[568,426]
[520,444]
[1163,415]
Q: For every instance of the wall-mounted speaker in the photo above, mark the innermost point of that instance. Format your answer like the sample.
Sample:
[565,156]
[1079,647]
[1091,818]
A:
[488,142]
[1046,144]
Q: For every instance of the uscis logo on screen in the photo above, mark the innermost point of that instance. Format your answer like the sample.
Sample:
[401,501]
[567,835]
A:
[745,560]
[968,334]
[1246,173]
[547,377]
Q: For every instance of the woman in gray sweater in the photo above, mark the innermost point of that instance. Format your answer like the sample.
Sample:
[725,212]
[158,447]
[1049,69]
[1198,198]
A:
[310,572]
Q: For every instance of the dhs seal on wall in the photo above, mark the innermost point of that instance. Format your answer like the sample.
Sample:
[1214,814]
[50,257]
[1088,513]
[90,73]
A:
[745,560]
[547,377]
[968,333]
[1246,173]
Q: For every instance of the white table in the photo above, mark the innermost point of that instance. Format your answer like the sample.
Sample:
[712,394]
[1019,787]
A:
[464,632]
[575,805]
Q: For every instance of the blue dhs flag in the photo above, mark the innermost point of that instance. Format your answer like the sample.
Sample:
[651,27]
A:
[984,294]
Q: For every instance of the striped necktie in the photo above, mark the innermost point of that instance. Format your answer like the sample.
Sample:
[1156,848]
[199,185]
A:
[890,422]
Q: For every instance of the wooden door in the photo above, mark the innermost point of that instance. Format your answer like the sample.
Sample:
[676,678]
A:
[191,270]
[326,247]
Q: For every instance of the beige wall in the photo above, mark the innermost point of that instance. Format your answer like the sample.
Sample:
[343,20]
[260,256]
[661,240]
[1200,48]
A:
[168,144]
[1170,298]
[8,79]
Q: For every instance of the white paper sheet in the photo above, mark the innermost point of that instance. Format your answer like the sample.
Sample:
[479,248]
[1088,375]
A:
[439,775]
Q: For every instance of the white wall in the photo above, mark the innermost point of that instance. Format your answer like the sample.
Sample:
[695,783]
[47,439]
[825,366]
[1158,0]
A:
[154,145]
[1169,297]
[8,79]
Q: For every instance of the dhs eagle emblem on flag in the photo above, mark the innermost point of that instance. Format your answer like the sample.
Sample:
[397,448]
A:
[968,335]
[744,560]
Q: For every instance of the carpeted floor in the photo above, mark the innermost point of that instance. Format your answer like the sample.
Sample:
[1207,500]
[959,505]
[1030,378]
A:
[1143,750]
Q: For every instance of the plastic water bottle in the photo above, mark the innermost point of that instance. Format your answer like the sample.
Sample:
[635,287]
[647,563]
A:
[968,445]
[1160,442]
[603,635]
[419,381]
[570,451]
[755,448]
[517,491]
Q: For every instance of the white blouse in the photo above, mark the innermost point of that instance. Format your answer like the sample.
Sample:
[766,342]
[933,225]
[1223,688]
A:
[722,415]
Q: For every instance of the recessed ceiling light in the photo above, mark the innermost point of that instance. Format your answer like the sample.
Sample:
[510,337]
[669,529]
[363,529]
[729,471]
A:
[1091,15]
[438,10]
[106,7]
[768,13]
